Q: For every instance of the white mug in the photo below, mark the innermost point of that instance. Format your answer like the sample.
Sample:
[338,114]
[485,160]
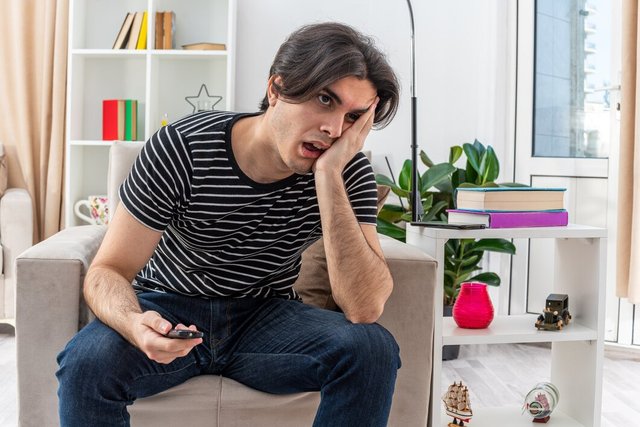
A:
[98,207]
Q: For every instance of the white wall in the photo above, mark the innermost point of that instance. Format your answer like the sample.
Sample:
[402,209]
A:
[462,52]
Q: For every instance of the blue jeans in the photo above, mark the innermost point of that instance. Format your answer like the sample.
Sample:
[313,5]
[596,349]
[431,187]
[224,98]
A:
[274,345]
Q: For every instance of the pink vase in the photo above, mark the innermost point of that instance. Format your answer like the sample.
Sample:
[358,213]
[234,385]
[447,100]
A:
[473,308]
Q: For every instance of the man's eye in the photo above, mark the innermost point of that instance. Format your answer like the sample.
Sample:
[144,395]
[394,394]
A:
[324,99]
[352,117]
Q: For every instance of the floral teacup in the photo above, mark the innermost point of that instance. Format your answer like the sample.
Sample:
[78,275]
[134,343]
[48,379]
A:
[98,207]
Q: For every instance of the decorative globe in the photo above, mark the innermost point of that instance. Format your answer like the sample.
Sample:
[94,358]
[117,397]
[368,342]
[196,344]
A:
[541,400]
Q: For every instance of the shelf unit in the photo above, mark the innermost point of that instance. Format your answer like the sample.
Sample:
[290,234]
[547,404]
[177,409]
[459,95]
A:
[577,351]
[159,79]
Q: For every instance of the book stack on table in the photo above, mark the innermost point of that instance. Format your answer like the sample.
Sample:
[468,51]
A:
[510,207]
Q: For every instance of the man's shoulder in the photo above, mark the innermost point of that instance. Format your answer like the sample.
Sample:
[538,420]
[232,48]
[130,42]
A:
[203,122]
[360,161]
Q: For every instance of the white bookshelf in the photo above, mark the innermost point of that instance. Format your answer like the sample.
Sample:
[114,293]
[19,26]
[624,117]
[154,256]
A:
[577,350]
[158,79]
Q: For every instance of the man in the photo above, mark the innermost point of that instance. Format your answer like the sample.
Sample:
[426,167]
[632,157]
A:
[214,217]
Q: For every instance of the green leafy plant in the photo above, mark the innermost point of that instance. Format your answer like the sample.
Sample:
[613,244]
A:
[437,186]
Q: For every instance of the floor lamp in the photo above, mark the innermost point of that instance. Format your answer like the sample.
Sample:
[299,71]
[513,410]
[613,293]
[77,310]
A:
[416,202]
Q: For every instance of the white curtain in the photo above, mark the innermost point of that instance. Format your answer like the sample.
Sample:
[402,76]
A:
[33,73]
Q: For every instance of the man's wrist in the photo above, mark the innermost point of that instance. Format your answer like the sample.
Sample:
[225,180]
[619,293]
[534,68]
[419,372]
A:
[128,324]
[328,175]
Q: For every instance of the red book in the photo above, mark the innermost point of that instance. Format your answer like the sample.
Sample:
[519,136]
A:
[513,219]
[110,119]
[113,119]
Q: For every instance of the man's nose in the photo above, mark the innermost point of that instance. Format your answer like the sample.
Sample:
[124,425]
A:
[333,126]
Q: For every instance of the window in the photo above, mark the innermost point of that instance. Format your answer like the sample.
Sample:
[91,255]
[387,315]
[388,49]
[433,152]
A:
[572,78]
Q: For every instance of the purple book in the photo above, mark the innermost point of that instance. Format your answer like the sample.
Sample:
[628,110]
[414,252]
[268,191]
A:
[509,219]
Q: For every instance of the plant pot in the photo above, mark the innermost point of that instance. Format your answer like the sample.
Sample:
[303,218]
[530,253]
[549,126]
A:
[449,352]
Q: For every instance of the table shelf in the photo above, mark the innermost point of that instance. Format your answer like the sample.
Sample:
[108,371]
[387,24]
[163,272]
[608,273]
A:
[513,417]
[513,329]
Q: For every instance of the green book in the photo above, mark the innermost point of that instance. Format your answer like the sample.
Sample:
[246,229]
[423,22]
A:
[130,118]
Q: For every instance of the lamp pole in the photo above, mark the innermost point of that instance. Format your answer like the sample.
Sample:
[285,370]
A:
[416,202]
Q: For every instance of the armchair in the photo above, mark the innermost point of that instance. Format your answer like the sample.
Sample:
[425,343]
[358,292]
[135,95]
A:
[16,235]
[50,277]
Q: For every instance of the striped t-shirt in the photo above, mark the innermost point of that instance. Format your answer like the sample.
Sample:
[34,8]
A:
[225,235]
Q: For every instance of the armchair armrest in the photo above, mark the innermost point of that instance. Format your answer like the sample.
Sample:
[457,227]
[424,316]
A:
[16,235]
[408,315]
[48,314]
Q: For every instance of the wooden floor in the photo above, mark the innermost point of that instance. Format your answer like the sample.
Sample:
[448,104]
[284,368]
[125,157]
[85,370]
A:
[499,375]
[496,375]
[8,381]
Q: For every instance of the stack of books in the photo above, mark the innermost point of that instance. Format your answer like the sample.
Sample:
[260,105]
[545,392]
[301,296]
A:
[510,207]
[133,32]
[119,118]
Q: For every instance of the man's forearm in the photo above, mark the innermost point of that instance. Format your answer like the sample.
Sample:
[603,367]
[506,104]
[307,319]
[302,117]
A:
[360,278]
[112,299]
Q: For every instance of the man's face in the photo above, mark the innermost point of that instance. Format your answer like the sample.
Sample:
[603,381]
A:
[303,131]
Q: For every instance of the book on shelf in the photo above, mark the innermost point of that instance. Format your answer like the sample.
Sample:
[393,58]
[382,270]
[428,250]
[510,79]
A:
[158,33]
[121,119]
[168,28]
[135,30]
[142,37]
[130,121]
[510,219]
[113,120]
[509,198]
[125,29]
[204,46]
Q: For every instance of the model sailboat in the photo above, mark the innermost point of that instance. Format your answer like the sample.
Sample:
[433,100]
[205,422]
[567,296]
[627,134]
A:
[457,404]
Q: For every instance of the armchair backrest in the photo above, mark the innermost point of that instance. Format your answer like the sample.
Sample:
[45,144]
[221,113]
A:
[121,158]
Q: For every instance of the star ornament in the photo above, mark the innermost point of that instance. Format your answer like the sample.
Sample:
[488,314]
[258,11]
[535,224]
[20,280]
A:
[202,102]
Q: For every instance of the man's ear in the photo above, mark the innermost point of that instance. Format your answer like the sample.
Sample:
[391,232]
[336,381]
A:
[272,92]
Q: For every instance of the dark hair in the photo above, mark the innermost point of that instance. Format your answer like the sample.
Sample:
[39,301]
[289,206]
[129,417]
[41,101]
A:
[315,56]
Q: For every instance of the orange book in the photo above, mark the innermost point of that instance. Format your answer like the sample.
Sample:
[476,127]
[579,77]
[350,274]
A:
[121,119]
[168,27]
[159,34]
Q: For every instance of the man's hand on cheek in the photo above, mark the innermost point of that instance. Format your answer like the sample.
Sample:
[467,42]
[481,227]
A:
[345,148]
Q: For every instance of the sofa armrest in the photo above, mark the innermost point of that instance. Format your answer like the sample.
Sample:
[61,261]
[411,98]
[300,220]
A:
[48,301]
[408,315]
[16,235]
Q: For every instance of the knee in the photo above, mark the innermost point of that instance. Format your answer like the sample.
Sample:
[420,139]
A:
[371,345]
[88,361]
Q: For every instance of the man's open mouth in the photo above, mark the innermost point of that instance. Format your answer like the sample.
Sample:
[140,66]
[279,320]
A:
[313,150]
[313,147]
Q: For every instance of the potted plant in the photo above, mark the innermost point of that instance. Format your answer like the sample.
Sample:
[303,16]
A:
[437,186]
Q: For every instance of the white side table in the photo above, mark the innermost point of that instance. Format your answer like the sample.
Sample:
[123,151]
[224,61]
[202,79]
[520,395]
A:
[577,351]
